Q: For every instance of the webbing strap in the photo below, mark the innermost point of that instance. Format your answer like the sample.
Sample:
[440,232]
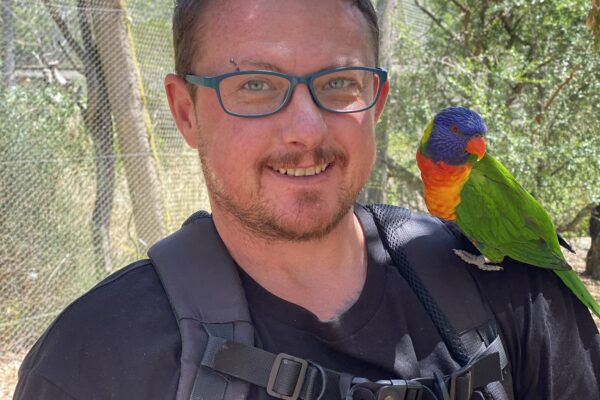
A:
[290,378]
[284,376]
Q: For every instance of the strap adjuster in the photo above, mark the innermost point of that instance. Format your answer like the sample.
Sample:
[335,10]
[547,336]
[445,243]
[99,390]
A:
[285,361]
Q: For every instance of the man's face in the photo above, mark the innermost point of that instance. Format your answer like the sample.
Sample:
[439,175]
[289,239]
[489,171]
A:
[243,158]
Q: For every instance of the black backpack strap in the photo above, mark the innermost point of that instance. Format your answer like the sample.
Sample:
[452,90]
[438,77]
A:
[205,291]
[291,378]
[282,375]
[461,315]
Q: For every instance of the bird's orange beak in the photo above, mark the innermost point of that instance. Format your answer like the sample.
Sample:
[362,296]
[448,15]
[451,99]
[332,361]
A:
[476,146]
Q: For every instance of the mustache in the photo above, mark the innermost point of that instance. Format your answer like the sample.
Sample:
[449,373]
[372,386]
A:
[293,158]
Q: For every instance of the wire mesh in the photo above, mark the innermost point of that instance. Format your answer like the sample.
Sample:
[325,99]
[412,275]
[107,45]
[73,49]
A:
[79,180]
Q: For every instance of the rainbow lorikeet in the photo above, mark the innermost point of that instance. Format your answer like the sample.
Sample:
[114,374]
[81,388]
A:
[465,185]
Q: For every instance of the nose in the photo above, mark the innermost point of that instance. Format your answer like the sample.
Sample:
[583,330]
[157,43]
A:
[303,123]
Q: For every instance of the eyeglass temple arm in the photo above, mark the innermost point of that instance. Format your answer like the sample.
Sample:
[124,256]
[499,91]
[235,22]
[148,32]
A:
[210,82]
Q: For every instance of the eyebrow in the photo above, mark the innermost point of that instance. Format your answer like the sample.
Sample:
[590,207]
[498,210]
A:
[271,67]
[259,64]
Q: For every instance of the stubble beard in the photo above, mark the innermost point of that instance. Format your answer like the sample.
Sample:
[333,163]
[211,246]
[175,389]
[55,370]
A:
[258,216]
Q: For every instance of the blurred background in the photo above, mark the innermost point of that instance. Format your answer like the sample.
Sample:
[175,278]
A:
[93,171]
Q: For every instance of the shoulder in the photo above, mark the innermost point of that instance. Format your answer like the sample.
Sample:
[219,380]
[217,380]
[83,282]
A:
[110,338]
[553,343]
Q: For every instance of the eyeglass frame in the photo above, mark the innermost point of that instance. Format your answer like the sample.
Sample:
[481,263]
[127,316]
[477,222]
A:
[213,82]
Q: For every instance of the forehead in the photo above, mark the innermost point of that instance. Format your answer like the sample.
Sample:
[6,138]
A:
[290,35]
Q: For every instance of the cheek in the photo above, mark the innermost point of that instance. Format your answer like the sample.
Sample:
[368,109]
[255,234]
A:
[233,147]
[358,135]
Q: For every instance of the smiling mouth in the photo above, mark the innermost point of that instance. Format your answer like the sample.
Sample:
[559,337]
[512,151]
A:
[310,171]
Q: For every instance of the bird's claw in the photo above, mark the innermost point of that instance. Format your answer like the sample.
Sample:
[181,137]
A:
[478,260]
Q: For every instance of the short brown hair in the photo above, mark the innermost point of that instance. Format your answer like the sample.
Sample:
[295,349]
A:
[187,13]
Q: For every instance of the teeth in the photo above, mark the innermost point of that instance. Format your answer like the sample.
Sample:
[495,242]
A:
[310,171]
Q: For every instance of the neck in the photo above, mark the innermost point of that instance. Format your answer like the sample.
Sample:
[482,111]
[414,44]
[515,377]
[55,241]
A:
[324,275]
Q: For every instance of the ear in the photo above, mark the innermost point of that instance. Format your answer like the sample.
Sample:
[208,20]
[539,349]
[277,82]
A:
[182,108]
[385,89]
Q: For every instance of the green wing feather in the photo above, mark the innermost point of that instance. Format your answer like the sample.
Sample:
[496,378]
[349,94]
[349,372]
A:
[503,219]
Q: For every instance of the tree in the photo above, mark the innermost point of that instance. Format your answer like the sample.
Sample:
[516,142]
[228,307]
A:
[375,191]
[592,265]
[593,21]
[540,98]
[114,91]
[9,42]
[98,123]
[132,122]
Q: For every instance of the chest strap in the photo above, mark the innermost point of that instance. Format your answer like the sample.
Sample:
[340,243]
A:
[291,378]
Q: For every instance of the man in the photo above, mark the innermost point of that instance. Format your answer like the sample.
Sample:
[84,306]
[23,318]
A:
[284,157]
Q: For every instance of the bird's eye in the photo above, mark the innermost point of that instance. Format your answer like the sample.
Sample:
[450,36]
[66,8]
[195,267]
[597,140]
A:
[454,128]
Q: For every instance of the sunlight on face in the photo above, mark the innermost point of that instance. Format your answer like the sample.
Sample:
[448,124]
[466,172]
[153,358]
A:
[295,174]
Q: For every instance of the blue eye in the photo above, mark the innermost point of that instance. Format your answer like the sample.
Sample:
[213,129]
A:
[337,83]
[256,85]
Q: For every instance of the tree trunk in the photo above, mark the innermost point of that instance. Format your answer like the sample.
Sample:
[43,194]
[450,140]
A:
[113,38]
[98,123]
[592,265]
[593,22]
[8,36]
[376,189]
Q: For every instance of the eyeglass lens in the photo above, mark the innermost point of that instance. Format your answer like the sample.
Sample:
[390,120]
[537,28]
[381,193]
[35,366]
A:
[263,93]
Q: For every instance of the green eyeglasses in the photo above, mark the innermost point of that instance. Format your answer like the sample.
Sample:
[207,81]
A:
[261,93]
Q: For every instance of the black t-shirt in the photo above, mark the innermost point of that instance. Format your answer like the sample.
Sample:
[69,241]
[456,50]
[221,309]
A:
[385,334]
[121,339]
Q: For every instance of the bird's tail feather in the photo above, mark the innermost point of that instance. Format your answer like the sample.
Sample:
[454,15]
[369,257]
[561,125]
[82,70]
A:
[563,242]
[576,286]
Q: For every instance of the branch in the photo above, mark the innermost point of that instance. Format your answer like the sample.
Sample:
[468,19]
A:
[593,22]
[556,92]
[480,44]
[69,58]
[557,169]
[467,20]
[64,29]
[397,171]
[517,89]
[437,21]
[462,8]
[572,225]
[510,29]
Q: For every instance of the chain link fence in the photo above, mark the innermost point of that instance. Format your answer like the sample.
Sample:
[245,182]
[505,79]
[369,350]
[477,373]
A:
[92,169]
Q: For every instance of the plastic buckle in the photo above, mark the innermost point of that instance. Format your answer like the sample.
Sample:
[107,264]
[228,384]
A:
[396,389]
[279,360]
[400,389]
[459,392]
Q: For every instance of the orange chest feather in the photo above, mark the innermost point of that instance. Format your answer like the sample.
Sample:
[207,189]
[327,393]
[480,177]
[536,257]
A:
[442,184]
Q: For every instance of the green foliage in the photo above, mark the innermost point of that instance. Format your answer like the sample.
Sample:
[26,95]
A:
[41,132]
[530,70]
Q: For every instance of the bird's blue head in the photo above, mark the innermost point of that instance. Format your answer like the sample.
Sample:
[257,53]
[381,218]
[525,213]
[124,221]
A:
[454,134]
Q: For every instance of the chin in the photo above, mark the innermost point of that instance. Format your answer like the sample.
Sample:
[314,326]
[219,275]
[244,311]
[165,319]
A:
[310,218]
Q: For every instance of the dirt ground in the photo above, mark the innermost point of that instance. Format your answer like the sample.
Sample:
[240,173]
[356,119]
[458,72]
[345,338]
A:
[577,261]
[9,363]
[9,366]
